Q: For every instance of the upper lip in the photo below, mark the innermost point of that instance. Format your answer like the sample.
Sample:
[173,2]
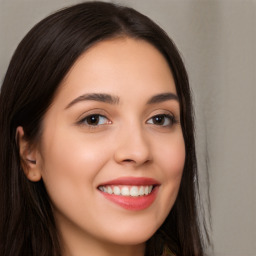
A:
[132,181]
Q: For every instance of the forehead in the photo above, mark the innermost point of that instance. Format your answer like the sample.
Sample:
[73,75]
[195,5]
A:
[119,66]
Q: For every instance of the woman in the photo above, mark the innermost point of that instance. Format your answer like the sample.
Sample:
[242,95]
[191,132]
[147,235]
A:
[97,145]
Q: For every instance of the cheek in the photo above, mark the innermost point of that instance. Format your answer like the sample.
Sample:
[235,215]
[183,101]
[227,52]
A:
[70,154]
[70,164]
[171,158]
[174,164]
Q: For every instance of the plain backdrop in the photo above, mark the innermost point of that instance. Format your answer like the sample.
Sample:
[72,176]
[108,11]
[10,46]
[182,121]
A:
[217,39]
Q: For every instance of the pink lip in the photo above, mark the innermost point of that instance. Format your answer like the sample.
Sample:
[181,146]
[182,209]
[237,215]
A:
[129,202]
[136,181]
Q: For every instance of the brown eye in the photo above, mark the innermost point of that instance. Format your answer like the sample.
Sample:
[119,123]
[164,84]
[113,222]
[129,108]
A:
[162,120]
[158,120]
[94,120]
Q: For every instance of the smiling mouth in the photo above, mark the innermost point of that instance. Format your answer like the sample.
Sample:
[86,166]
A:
[132,191]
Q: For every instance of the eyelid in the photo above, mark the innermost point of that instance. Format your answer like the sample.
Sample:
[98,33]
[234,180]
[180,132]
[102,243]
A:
[95,112]
[85,122]
[172,119]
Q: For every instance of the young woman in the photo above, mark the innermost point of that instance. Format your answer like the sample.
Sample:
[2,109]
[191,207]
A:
[97,153]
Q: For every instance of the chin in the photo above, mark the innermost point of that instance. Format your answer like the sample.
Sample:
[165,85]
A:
[132,235]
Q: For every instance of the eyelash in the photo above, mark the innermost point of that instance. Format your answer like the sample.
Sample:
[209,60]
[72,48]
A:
[171,118]
[97,118]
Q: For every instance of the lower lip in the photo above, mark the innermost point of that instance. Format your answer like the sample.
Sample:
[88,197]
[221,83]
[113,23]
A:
[133,203]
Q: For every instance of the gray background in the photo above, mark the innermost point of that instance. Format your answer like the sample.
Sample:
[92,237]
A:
[218,43]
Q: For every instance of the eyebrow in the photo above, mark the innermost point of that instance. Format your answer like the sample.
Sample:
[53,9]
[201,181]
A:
[101,97]
[163,97]
[110,99]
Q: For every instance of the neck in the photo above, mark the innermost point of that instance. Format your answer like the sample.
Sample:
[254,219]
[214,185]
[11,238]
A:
[103,250]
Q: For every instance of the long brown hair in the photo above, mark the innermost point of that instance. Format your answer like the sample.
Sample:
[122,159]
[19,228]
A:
[38,66]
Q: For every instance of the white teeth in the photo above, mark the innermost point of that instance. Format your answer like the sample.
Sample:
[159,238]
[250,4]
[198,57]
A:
[125,191]
[117,190]
[133,191]
[141,191]
[109,190]
[146,191]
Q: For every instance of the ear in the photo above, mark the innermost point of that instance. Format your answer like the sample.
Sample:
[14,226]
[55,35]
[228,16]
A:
[28,156]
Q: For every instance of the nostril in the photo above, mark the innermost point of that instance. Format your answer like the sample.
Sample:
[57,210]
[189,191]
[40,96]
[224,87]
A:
[128,160]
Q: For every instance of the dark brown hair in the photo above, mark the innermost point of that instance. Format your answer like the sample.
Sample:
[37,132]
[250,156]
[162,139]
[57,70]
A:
[38,66]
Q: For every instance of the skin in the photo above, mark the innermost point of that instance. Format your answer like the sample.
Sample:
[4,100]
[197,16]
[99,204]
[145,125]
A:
[73,158]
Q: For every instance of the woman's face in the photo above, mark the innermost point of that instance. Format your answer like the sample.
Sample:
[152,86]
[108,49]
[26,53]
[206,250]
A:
[112,151]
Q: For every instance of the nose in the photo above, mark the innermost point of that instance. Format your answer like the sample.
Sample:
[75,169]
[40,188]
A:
[133,147]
